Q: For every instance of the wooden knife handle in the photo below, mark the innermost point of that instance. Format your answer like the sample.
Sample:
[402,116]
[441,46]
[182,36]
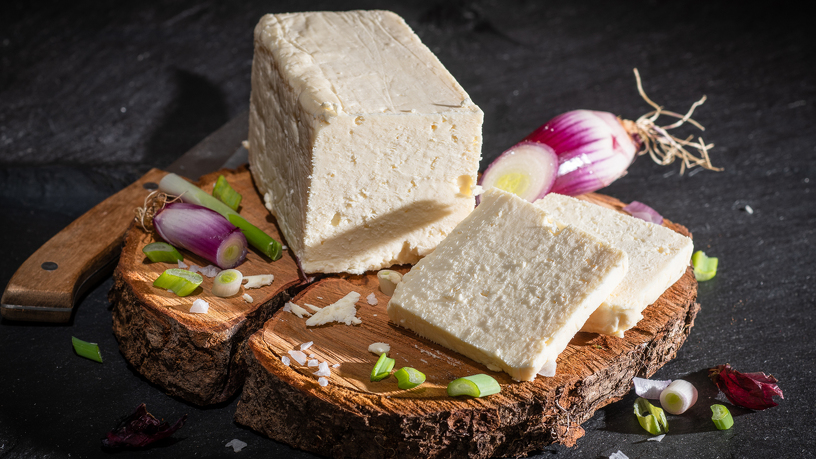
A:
[46,286]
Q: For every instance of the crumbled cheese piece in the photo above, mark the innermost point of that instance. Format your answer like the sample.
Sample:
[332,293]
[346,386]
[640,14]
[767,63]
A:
[650,388]
[258,281]
[306,345]
[296,310]
[248,298]
[618,455]
[750,212]
[311,355]
[313,307]
[237,445]
[343,311]
[548,370]
[245,144]
[285,360]
[372,300]
[312,363]
[200,307]
[657,438]
[299,357]
[335,365]
[379,348]
[323,381]
[284,247]
[182,265]
[209,270]
[323,370]
[388,281]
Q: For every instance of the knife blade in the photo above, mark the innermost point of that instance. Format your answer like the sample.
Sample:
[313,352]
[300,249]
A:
[49,283]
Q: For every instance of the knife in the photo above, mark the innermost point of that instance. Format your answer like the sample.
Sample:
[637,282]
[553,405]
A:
[49,283]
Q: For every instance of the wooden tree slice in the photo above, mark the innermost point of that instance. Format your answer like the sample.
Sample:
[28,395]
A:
[194,356]
[353,417]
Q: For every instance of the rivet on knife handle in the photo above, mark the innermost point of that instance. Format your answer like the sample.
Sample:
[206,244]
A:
[46,286]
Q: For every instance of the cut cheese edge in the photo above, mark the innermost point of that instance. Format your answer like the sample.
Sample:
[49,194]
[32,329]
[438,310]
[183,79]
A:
[658,257]
[363,145]
[509,287]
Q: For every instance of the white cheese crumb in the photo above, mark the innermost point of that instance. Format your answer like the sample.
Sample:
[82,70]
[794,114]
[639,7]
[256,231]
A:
[618,455]
[343,311]
[237,445]
[312,363]
[657,438]
[388,281]
[548,370]
[320,298]
[284,247]
[379,348]
[375,315]
[749,209]
[323,370]
[307,345]
[245,144]
[200,307]
[312,307]
[296,310]
[323,381]
[311,355]
[182,265]
[299,357]
[335,365]
[650,388]
[372,300]
[258,281]
[285,360]
[209,270]
[248,298]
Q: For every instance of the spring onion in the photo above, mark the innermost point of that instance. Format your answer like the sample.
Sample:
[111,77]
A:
[382,369]
[203,232]
[678,397]
[722,417]
[174,185]
[527,169]
[226,194]
[705,268]
[595,148]
[650,417]
[227,283]
[480,385]
[162,252]
[179,281]
[408,378]
[86,349]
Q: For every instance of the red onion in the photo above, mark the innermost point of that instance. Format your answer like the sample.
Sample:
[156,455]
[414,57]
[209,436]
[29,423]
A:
[643,212]
[202,231]
[595,148]
[526,169]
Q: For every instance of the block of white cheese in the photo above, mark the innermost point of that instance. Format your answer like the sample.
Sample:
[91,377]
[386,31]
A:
[658,257]
[363,145]
[509,287]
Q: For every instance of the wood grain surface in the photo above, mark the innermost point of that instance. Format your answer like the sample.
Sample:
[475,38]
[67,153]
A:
[353,417]
[193,356]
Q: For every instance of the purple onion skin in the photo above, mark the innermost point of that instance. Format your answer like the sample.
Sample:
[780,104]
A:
[642,211]
[592,147]
[202,231]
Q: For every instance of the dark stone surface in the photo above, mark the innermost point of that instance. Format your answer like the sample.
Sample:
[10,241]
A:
[92,95]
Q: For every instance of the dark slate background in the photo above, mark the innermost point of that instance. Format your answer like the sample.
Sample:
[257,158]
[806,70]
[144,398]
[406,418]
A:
[92,95]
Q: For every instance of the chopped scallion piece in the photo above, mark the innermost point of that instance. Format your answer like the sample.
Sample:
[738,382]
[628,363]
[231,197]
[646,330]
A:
[650,417]
[179,281]
[408,377]
[86,349]
[705,268]
[226,194]
[474,385]
[382,369]
[162,252]
[721,417]
[227,283]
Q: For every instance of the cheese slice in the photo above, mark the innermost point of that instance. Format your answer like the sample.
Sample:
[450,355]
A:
[658,257]
[363,145]
[509,287]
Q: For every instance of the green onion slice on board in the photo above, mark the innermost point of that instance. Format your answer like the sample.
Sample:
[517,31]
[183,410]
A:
[408,378]
[162,252]
[382,369]
[86,349]
[180,281]
[480,385]
[226,194]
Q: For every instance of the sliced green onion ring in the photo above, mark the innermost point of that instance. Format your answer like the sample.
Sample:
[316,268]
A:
[226,194]
[650,417]
[480,385]
[227,283]
[86,349]
[382,369]
[705,268]
[162,252]
[180,281]
[721,417]
[408,377]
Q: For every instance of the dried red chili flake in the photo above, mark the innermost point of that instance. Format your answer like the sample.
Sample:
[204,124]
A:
[139,430]
[749,390]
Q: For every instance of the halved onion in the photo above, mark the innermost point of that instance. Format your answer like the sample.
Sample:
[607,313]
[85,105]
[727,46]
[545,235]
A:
[527,169]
